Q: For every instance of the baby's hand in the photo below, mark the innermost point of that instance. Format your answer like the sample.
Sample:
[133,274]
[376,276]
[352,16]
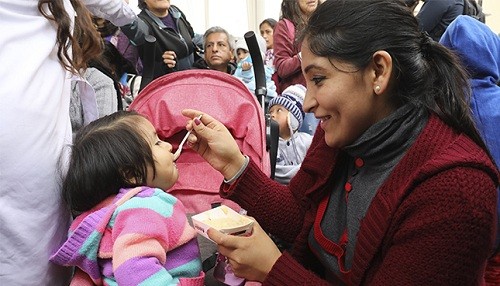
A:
[246,66]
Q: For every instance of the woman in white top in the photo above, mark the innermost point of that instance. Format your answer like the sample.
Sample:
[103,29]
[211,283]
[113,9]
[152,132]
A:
[35,128]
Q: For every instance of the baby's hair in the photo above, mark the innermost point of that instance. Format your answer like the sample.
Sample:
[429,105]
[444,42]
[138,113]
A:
[108,154]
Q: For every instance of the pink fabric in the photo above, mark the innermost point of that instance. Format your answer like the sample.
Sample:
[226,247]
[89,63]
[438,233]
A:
[222,96]
[81,278]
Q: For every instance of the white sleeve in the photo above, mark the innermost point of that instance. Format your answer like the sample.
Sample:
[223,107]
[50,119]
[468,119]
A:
[116,11]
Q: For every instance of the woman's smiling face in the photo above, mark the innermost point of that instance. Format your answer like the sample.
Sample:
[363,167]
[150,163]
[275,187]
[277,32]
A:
[342,97]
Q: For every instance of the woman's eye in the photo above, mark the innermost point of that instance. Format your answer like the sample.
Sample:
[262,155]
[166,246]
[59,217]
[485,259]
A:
[318,79]
[158,142]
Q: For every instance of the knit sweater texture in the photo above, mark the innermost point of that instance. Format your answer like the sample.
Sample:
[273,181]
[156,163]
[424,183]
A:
[431,222]
[142,236]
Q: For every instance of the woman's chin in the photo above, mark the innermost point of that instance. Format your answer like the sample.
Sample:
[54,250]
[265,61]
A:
[332,141]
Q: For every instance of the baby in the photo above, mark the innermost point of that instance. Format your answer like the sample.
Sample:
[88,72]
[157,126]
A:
[244,67]
[293,144]
[128,230]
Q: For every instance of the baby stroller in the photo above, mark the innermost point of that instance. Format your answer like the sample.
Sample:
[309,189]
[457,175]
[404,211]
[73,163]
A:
[223,97]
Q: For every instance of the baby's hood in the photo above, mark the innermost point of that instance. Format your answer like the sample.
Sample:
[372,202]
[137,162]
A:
[84,244]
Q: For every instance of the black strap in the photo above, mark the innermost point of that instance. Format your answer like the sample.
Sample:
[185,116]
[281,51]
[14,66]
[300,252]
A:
[149,57]
[209,263]
[272,138]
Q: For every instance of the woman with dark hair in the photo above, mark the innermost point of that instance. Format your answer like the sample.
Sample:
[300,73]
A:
[266,28]
[174,49]
[44,44]
[287,58]
[397,188]
[294,15]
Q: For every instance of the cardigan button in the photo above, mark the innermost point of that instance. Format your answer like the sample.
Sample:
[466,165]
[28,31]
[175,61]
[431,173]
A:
[347,187]
[359,163]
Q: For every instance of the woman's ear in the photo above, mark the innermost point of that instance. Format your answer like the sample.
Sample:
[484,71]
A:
[382,70]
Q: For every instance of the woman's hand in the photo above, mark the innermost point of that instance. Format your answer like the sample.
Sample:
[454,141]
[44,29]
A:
[170,59]
[251,257]
[214,143]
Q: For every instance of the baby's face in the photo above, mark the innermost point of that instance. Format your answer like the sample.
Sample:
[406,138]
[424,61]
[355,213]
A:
[280,114]
[166,170]
[242,54]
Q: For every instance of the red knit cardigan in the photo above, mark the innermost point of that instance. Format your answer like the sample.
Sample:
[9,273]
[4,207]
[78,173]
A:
[432,222]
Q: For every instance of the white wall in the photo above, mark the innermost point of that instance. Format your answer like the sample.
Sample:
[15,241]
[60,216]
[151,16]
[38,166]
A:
[492,10]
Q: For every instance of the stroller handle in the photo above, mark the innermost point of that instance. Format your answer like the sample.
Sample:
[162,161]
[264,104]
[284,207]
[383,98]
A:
[258,66]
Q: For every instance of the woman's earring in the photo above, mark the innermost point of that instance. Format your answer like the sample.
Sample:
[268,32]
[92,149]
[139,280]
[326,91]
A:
[377,88]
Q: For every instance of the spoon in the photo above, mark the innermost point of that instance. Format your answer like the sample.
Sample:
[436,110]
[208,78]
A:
[179,149]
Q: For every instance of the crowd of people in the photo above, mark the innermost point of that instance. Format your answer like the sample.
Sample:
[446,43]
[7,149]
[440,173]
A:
[388,158]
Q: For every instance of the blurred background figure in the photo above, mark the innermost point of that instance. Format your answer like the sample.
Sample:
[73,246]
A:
[435,15]
[266,28]
[174,48]
[245,71]
[115,36]
[287,57]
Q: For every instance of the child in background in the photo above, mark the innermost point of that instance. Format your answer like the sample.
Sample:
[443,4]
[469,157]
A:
[293,144]
[244,68]
[128,230]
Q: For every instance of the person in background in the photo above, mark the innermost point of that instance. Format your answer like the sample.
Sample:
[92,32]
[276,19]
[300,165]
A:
[294,15]
[115,36]
[174,48]
[478,48]
[287,59]
[266,28]
[219,47]
[128,229]
[287,110]
[104,99]
[245,71]
[435,15]
[397,188]
[40,53]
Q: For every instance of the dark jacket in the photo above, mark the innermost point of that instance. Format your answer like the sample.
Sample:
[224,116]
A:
[166,40]
[436,15]
[202,64]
